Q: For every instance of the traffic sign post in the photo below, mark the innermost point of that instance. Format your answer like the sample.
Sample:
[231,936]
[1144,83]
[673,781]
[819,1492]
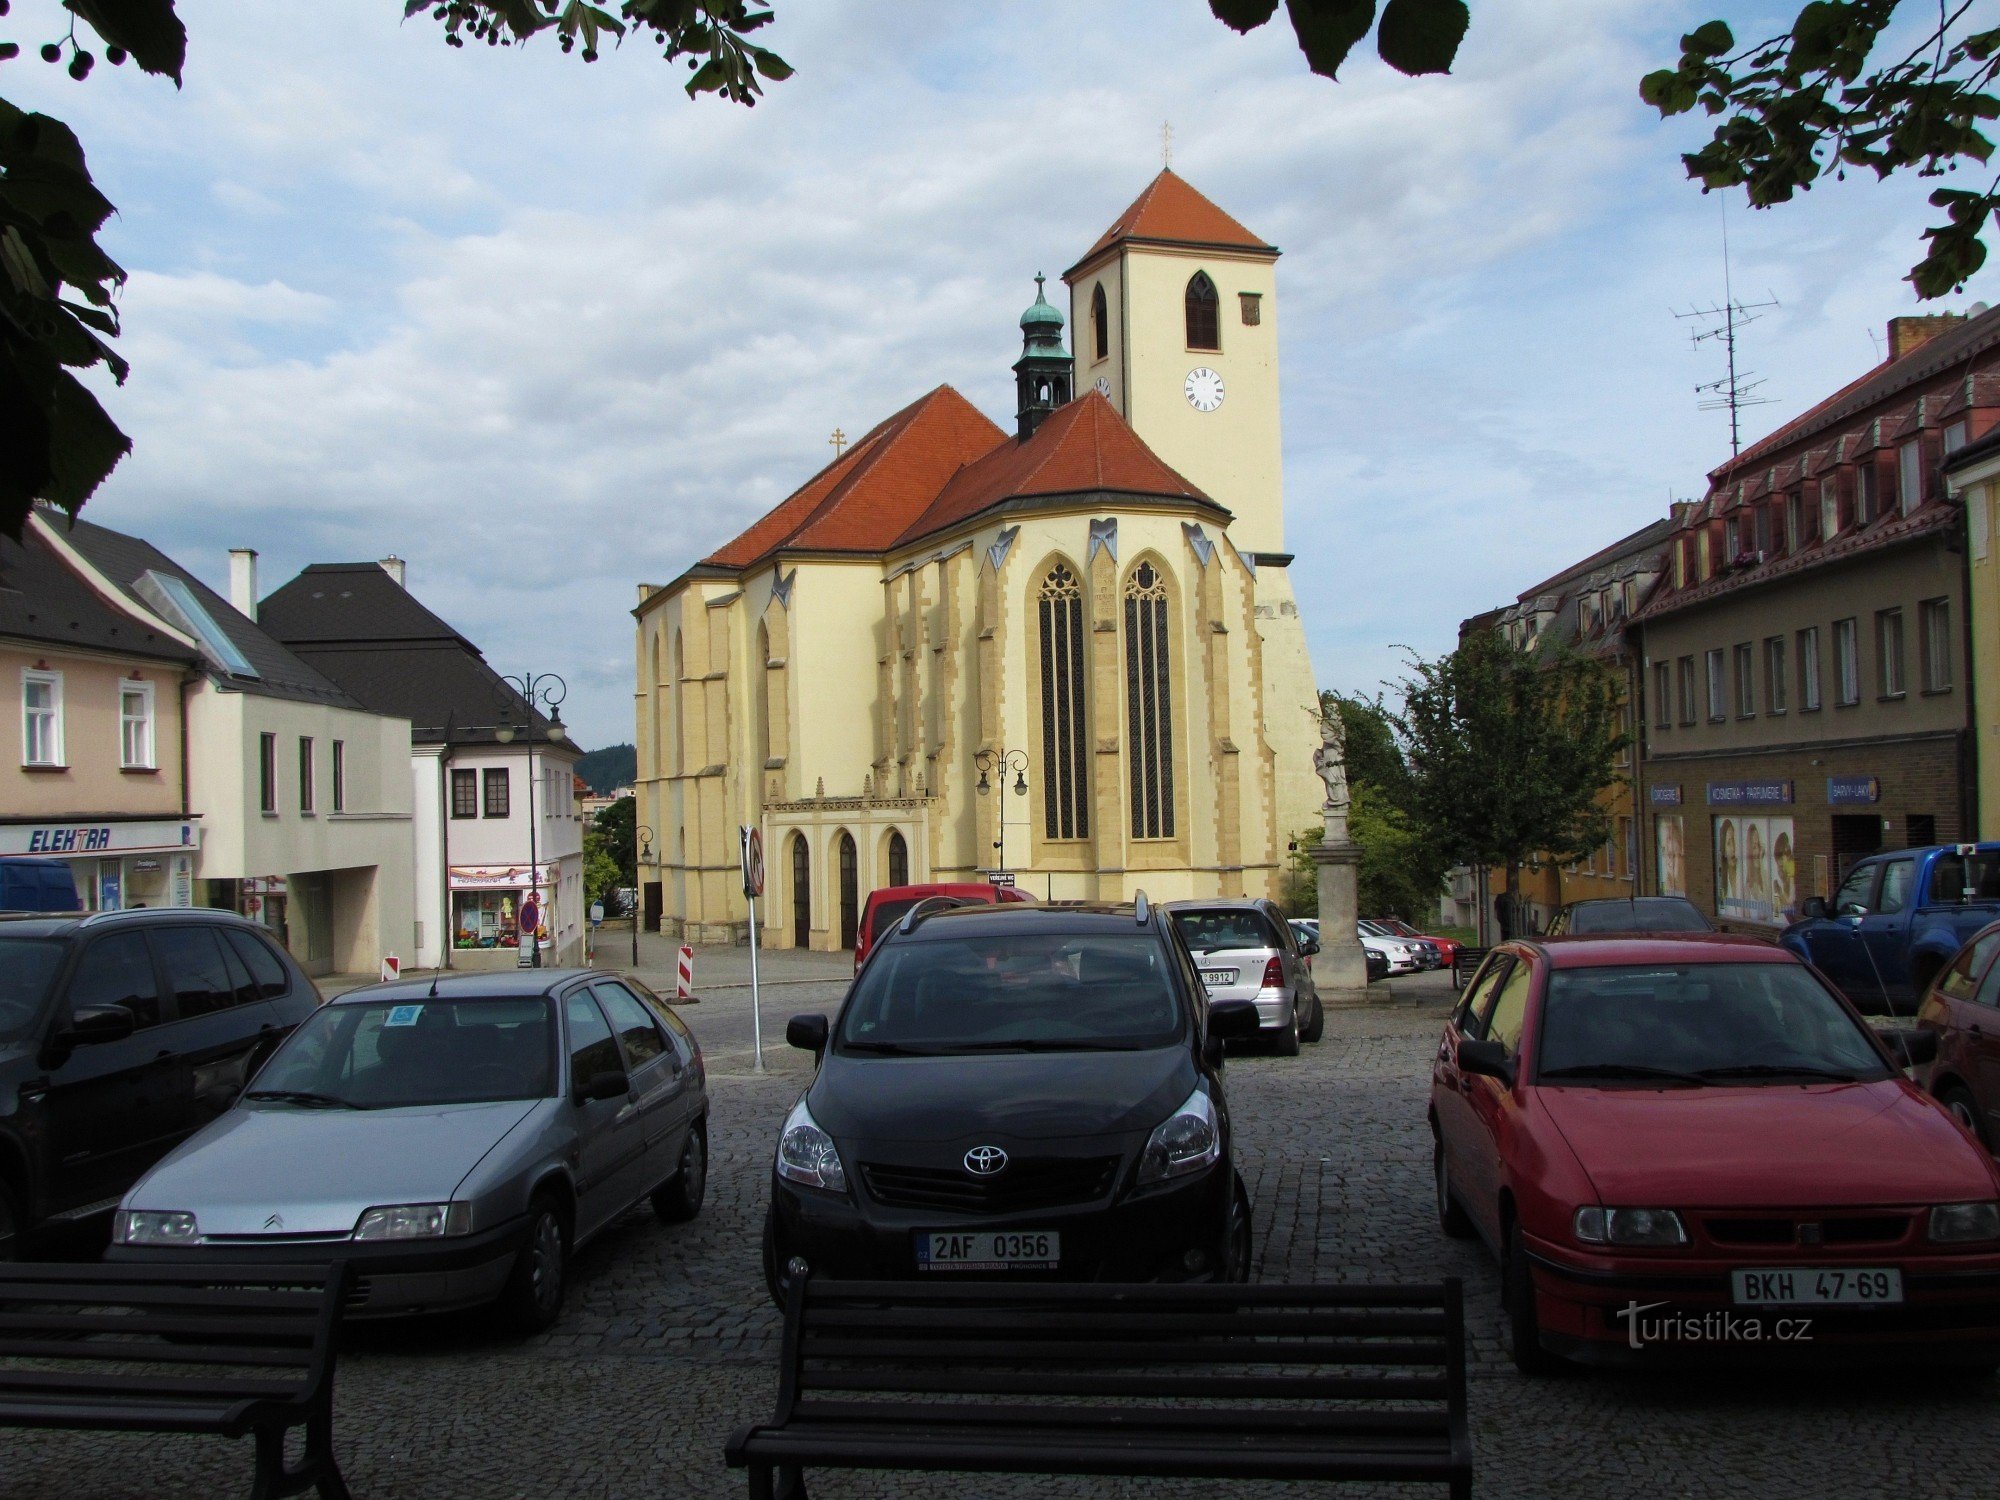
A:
[751,841]
[528,942]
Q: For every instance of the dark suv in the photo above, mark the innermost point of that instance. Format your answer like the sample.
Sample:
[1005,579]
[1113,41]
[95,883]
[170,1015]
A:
[121,1033]
[1016,1091]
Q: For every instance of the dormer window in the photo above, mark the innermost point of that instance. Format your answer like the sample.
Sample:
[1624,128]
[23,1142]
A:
[1204,321]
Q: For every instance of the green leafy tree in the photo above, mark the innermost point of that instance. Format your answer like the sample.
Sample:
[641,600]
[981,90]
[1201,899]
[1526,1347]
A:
[1508,751]
[1411,36]
[1400,873]
[615,825]
[602,874]
[1844,87]
[58,288]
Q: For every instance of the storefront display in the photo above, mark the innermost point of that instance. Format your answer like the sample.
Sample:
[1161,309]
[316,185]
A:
[1755,869]
[1671,853]
[486,902]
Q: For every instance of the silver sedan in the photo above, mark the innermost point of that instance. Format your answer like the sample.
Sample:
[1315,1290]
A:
[455,1141]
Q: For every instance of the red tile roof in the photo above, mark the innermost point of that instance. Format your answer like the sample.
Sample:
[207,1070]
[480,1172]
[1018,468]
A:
[1081,447]
[865,498]
[1170,210]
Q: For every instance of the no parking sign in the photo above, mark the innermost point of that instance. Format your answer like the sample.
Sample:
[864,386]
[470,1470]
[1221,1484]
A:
[753,860]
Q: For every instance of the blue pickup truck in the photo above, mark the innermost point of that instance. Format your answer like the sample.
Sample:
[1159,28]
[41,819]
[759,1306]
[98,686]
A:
[1897,919]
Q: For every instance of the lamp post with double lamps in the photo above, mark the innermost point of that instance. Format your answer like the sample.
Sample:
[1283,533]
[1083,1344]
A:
[642,851]
[538,690]
[993,765]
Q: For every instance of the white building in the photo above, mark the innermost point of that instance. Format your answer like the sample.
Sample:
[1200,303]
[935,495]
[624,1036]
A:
[304,815]
[493,782]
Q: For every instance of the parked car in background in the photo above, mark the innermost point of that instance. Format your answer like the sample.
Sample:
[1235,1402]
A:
[1962,1007]
[887,906]
[1897,920]
[1641,1128]
[1447,947]
[37,885]
[1400,954]
[1612,915]
[453,1140]
[121,1033]
[1429,955]
[1247,950]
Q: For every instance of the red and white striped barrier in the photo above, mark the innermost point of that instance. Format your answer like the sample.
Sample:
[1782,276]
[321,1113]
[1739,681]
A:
[684,979]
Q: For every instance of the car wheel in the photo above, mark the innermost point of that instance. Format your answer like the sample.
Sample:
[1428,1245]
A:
[1236,1237]
[533,1297]
[1965,1109]
[679,1198]
[10,1227]
[1316,1027]
[1517,1296]
[1286,1042]
[1452,1219]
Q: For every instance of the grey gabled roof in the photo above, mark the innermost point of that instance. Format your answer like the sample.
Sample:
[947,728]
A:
[43,599]
[382,644]
[280,674]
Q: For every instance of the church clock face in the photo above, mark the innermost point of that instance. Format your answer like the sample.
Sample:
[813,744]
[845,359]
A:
[1104,386]
[1204,389]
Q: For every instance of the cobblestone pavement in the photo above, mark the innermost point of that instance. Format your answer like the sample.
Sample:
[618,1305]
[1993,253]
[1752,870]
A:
[668,1341]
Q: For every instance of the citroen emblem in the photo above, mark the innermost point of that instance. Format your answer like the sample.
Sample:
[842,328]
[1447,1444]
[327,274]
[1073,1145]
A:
[984,1161]
[276,1221]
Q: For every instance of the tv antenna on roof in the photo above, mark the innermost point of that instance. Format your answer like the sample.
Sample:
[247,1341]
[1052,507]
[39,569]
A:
[1736,389]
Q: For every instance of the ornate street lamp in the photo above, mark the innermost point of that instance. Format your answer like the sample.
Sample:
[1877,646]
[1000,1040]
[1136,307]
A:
[642,852]
[993,765]
[538,690]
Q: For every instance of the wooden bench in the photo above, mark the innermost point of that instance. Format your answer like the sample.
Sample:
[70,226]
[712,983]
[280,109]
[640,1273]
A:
[1216,1382]
[1465,963]
[226,1349]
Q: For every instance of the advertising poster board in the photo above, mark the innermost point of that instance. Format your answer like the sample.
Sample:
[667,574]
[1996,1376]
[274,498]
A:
[1670,850]
[1756,876]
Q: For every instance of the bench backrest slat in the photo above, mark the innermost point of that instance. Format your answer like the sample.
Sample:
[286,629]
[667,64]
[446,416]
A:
[1262,1322]
[1205,1386]
[1030,1349]
[1431,1420]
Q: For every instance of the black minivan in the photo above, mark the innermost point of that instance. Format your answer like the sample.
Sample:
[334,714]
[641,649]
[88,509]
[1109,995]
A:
[121,1033]
[1019,1092]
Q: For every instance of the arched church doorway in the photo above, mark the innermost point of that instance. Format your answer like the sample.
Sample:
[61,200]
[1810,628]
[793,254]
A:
[801,892]
[850,889]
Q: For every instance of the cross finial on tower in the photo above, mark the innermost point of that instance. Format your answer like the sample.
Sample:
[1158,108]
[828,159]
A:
[1167,144]
[838,442]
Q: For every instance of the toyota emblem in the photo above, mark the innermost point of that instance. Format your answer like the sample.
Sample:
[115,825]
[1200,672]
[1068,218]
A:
[984,1161]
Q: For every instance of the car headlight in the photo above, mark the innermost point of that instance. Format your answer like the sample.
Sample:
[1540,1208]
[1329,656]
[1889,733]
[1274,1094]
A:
[1965,1223]
[1186,1141]
[145,1226]
[807,1154]
[414,1221]
[1629,1226]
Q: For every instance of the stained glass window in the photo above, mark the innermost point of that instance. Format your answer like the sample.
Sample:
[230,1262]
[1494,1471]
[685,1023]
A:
[1149,705]
[1065,752]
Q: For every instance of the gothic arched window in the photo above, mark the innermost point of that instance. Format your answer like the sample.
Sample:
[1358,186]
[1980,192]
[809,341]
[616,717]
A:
[1100,322]
[1149,704]
[1065,752]
[899,859]
[1204,316]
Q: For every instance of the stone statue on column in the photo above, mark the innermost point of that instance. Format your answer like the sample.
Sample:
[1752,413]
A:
[1340,968]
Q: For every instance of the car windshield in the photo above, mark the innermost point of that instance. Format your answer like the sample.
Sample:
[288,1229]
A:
[26,967]
[1708,1023]
[390,1054]
[1635,916]
[1221,931]
[1018,992]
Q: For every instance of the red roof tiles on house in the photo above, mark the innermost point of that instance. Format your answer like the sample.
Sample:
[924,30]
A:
[866,498]
[1082,447]
[1170,210]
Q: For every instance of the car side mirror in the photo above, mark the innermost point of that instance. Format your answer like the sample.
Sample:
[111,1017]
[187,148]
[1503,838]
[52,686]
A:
[1485,1059]
[604,1086]
[91,1024]
[1309,946]
[1815,906]
[1232,1020]
[1915,1047]
[808,1033]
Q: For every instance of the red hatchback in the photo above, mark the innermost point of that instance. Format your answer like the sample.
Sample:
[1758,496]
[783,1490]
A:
[1684,1146]
[887,905]
[1963,1008]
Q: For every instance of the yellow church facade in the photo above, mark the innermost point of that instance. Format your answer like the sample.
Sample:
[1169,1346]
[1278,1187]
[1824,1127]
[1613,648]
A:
[1073,652]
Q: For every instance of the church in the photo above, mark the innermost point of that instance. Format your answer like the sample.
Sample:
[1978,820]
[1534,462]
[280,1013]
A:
[1070,652]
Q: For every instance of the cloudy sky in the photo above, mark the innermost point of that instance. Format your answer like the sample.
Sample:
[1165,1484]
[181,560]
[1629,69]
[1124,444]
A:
[547,329]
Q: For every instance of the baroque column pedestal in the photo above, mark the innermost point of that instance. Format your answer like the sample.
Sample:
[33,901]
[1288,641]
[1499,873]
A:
[1340,968]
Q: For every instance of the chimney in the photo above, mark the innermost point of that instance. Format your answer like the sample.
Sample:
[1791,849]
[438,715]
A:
[393,566]
[243,581]
[1907,335]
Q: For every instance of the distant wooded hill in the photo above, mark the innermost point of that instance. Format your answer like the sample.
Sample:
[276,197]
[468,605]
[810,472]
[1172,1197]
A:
[610,768]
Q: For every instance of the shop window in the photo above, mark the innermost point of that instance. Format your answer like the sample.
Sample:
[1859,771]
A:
[1889,652]
[486,919]
[1934,623]
[1204,324]
[498,794]
[465,794]
[267,773]
[135,726]
[41,718]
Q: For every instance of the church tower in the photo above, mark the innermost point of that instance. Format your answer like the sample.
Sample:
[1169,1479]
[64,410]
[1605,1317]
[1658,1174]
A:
[1044,373]
[1175,308]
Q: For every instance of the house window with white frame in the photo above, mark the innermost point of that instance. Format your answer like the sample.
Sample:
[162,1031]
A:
[1910,475]
[1935,644]
[1718,703]
[41,718]
[1847,661]
[1774,674]
[135,726]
